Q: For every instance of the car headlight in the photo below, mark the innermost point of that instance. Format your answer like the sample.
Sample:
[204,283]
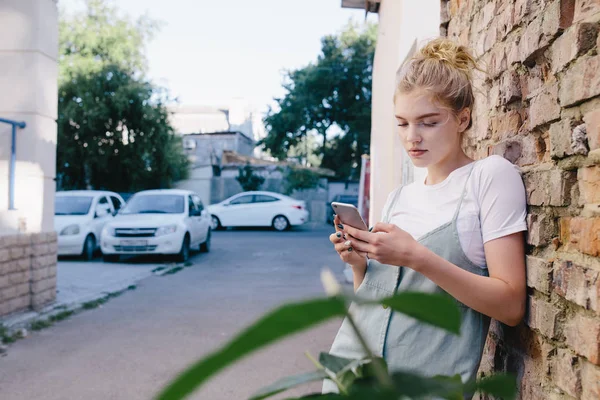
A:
[166,230]
[70,230]
[107,231]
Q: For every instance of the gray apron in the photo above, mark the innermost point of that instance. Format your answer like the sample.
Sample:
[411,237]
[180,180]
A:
[405,343]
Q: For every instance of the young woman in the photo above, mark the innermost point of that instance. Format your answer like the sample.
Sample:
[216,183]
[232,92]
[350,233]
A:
[459,231]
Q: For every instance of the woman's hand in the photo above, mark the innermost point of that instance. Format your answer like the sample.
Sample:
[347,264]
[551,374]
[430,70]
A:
[385,243]
[347,252]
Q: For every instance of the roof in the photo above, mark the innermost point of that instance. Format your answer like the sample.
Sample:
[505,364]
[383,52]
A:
[84,192]
[368,6]
[182,192]
[231,158]
[219,133]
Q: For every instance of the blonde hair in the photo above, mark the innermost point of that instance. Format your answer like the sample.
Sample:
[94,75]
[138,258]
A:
[444,69]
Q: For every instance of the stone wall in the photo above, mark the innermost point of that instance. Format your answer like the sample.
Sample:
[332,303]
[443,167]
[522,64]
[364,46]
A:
[538,105]
[27,272]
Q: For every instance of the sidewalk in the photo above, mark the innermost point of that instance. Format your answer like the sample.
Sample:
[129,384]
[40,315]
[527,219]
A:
[81,282]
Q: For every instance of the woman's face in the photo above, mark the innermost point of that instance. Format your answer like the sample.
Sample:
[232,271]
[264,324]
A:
[430,134]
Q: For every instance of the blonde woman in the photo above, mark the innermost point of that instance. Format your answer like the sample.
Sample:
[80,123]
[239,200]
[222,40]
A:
[459,231]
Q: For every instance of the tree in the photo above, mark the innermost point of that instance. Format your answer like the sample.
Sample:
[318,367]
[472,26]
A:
[248,179]
[333,94]
[113,129]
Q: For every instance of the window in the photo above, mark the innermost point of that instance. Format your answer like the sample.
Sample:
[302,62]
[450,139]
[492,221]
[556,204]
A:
[116,203]
[242,200]
[103,200]
[72,205]
[261,198]
[155,204]
[198,203]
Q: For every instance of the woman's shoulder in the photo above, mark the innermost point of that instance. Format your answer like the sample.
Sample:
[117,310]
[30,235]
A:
[495,166]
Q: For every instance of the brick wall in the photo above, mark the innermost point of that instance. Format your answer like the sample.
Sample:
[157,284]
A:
[27,271]
[539,107]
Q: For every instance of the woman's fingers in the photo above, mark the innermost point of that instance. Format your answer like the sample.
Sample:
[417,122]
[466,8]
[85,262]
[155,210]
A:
[336,237]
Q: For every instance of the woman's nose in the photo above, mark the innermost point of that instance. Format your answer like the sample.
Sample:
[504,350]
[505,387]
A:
[412,135]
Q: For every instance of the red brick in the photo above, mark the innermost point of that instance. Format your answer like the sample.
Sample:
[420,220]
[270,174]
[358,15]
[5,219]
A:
[581,234]
[525,10]
[582,334]
[541,229]
[544,107]
[498,60]
[581,81]
[590,381]
[510,149]
[586,8]
[43,285]
[589,184]
[505,19]
[549,188]
[577,284]
[543,316]
[565,372]
[574,42]
[504,126]
[538,274]
[560,138]
[510,88]
[592,127]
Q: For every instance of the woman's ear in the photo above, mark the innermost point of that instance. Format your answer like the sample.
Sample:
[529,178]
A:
[464,118]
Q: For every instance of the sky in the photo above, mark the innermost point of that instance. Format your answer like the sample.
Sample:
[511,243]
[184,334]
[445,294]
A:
[209,52]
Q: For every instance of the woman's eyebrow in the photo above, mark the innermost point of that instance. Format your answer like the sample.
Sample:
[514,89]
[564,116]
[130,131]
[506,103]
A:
[421,116]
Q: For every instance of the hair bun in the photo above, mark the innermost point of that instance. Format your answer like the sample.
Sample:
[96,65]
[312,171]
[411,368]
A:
[450,53]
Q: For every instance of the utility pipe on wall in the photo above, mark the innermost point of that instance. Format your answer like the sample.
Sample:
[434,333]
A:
[13,160]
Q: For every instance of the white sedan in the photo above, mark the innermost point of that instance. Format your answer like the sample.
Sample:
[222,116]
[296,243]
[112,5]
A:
[80,216]
[165,221]
[259,209]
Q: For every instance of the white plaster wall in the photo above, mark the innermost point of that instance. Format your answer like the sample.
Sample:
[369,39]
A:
[402,23]
[28,83]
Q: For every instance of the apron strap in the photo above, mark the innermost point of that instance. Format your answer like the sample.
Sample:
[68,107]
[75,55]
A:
[464,193]
[387,216]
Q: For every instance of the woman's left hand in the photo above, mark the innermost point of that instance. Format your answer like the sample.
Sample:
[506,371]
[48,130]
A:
[385,243]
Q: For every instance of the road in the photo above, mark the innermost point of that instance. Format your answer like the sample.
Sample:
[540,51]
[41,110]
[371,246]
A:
[134,344]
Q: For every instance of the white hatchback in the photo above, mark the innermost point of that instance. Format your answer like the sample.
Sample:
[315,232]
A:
[259,209]
[80,216]
[167,221]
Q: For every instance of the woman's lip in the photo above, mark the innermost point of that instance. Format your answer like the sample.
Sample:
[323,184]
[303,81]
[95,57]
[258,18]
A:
[416,152]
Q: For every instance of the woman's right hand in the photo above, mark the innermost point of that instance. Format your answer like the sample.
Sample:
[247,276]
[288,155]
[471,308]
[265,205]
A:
[356,259]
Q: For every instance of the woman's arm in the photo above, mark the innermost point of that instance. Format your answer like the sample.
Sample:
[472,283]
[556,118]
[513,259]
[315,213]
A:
[500,296]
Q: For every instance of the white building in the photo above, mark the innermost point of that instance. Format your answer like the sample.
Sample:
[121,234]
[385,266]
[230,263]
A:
[404,25]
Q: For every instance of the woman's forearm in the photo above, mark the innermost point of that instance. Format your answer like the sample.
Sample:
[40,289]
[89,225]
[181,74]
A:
[358,275]
[490,296]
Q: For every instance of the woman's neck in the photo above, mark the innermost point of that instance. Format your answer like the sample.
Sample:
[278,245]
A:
[440,171]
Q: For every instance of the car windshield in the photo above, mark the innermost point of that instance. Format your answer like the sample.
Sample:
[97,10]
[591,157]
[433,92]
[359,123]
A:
[72,205]
[155,204]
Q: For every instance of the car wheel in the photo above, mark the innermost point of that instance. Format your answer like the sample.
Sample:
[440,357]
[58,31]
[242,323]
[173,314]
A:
[111,258]
[89,248]
[205,247]
[280,223]
[184,253]
[215,224]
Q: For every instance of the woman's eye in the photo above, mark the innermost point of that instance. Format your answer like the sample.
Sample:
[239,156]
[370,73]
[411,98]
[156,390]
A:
[430,124]
[403,125]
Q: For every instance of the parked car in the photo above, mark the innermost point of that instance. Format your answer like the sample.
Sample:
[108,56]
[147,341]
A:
[259,209]
[167,221]
[341,198]
[80,216]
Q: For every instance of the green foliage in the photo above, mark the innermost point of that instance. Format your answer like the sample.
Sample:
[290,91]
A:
[248,179]
[113,129]
[355,378]
[300,179]
[334,91]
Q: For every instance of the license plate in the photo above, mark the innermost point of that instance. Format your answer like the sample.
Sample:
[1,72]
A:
[134,242]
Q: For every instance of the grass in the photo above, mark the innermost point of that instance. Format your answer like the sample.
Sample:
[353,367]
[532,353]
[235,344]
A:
[158,269]
[61,316]
[173,271]
[40,324]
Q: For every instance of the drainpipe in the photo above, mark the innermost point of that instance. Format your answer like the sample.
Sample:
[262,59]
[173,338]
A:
[13,160]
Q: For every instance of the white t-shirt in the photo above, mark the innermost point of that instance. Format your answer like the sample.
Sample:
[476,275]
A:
[494,205]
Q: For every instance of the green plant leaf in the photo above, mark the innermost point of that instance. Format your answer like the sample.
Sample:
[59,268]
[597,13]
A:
[334,363]
[498,385]
[284,321]
[435,309]
[416,386]
[288,383]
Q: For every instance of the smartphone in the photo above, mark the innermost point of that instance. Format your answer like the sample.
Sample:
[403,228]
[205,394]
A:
[349,215]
